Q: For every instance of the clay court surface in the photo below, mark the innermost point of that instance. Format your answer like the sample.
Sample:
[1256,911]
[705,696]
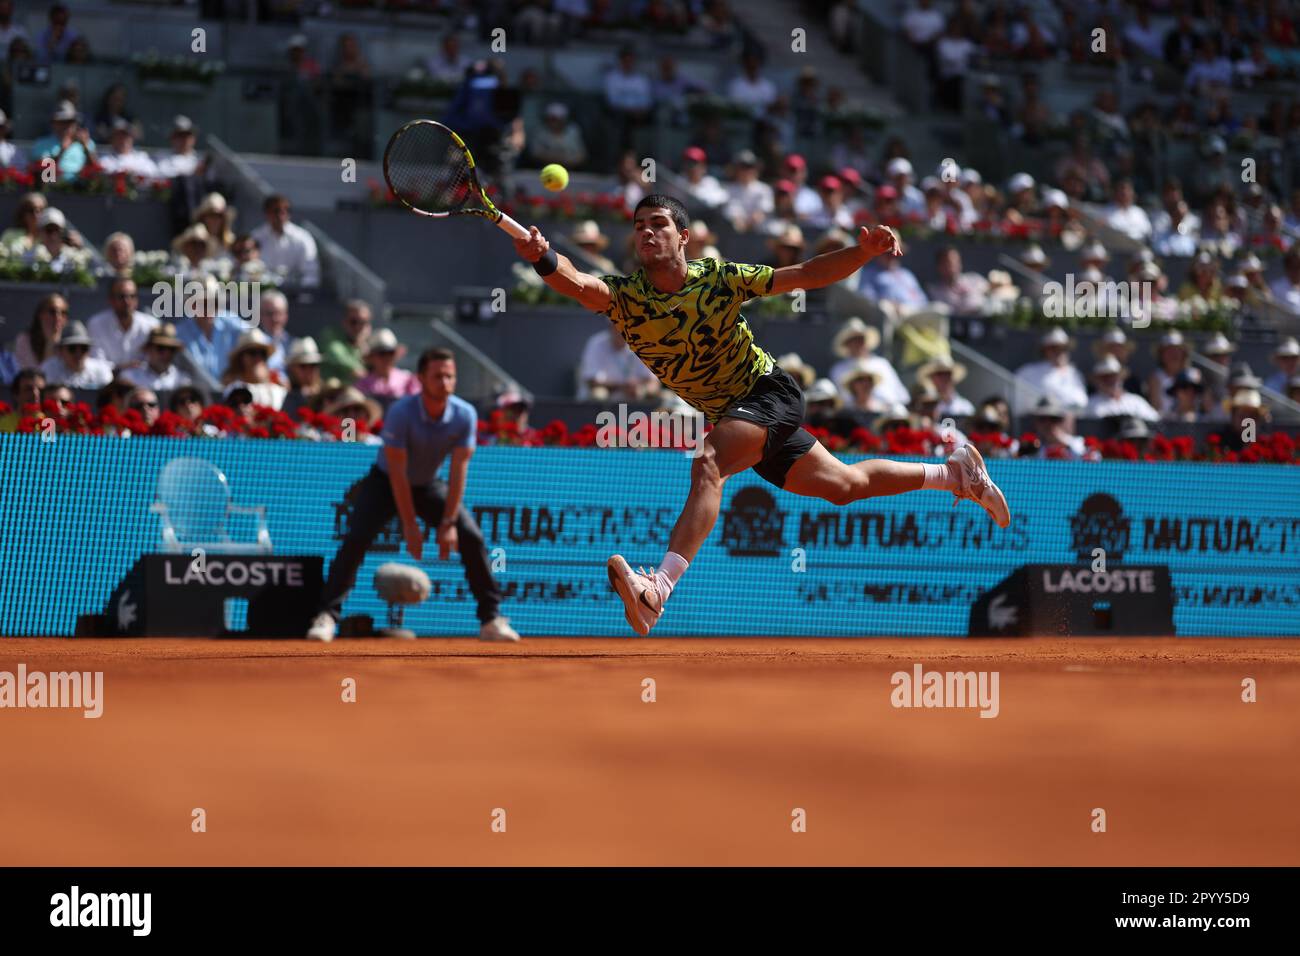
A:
[555,732]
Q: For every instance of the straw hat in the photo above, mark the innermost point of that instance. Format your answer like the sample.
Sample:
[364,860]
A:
[1109,365]
[1056,337]
[796,366]
[1245,398]
[941,363]
[1048,407]
[859,369]
[1001,286]
[587,233]
[304,351]
[381,340]
[854,328]
[700,232]
[214,204]
[353,396]
[1034,256]
[790,237]
[895,414]
[1218,344]
[1287,348]
[197,232]
[1172,339]
[823,390]
[1114,337]
[254,340]
[164,335]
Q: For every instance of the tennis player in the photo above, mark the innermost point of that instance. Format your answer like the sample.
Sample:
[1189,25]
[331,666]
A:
[682,318]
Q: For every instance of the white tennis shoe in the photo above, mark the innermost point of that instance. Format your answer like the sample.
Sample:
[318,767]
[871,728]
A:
[498,629]
[322,628]
[642,603]
[973,482]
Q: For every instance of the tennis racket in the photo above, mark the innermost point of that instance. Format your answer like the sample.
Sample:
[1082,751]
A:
[431,171]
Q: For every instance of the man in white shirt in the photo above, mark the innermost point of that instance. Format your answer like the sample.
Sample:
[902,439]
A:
[1286,288]
[1125,215]
[182,160]
[159,372]
[609,369]
[122,156]
[273,319]
[1143,36]
[118,333]
[695,170]
[1054,374]
[923,23]
[1287,359]
[72,364]
[8,29]
[11,156]
[911,201]
[557,140]
[1111,400]
[627,90]
[287,248]
[965,293]
[856,342]
[807,204]
[751,199]
[751,89]
[448,65]
[1054,426]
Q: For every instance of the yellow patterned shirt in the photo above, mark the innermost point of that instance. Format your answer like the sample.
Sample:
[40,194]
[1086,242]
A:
[695,340]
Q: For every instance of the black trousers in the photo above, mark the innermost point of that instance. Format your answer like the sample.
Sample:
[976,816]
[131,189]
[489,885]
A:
[374,508]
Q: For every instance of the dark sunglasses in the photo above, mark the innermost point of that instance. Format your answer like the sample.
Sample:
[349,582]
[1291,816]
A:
[139,405]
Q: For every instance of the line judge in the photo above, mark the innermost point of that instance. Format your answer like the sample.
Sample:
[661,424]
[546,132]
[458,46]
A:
[419,432]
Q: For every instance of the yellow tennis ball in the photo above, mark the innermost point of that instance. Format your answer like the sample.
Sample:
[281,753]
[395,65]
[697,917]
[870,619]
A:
[555,177]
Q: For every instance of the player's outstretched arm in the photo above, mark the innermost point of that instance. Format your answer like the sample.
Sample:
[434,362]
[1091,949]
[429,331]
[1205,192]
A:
[567,279]
[831,267]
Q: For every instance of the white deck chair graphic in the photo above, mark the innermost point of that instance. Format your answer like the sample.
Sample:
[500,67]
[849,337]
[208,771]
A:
[194,507]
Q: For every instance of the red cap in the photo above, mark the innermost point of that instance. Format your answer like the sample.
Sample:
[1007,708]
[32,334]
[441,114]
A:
[886,192]
[784,186]
[829,182]
[850,176]
[795,161]
[693,154]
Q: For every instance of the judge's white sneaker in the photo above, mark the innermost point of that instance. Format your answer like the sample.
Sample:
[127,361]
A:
[498,629]
[643,605]
[973,482]
[322,628]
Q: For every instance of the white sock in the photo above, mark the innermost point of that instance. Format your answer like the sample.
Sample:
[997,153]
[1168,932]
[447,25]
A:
[938,478]
[670,569]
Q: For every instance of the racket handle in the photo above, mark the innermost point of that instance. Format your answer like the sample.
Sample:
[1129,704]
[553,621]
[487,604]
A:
[515,230]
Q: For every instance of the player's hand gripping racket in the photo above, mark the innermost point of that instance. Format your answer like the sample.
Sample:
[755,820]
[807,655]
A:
[430,170]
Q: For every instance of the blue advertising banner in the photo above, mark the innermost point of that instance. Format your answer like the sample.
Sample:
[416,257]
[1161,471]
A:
[79,511]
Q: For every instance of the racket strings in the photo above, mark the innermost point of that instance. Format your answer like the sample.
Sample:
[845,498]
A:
[427,169]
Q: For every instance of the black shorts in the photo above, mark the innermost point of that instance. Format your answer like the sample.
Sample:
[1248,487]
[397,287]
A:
[776,403]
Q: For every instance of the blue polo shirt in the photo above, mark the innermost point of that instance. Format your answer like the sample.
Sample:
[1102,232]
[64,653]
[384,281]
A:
[427,441]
